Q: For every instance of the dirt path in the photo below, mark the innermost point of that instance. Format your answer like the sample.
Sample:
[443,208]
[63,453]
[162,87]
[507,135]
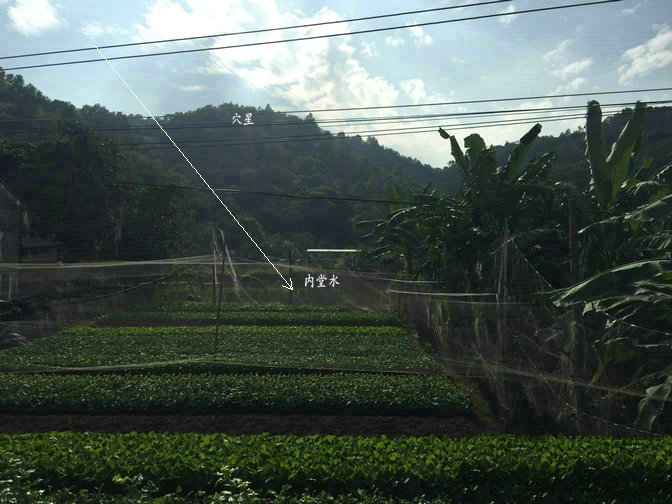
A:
[250,424]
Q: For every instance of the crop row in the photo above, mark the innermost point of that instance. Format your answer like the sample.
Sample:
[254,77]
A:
[484,469]
[371,348]
[355,394]
[251,318]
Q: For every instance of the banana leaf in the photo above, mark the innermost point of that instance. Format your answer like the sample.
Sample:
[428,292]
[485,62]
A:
[510,169]
[596,155]
[637,293]
[659,211]
[652,405]
[538,167]
[623,150]
[613,282]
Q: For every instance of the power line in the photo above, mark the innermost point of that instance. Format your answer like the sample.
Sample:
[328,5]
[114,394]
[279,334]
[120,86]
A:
[463,102]
[359,121]
[382,132]
[314,37]
[269,193]
[329,136]
[217,35]
[466,102]
[250,192]
[370,132]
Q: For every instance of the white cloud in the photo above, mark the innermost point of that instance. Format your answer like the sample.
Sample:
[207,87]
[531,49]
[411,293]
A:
[391,41]
[632,10]
[192,88]
[559,52]
[573,68]
[570,87]
[369,49]
[318,73]
[33,17]
[557,61]
[419,36]
[96,30]
[654,54]
[576,84]
[414,88]
[508,19]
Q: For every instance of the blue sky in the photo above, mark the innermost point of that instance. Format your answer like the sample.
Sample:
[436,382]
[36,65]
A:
[622,45]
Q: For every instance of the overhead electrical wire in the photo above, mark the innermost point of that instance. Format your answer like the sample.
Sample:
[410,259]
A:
[255,192]
[315,37]
[470,102]
[182,115]
[373,132]
[270,193]
[264,30]
[328,122]
[328,136]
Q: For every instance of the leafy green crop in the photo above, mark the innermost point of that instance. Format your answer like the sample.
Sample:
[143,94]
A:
[251,318]
[364,394]
[484,469]
[372,348]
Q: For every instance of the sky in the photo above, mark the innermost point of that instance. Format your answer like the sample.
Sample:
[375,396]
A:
[622,45]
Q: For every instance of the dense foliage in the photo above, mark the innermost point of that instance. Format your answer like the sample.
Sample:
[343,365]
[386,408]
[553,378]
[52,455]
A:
[84,186]
[478,470]
[376,348]
[354,394]
[59,154]
[623,278]
[251,318]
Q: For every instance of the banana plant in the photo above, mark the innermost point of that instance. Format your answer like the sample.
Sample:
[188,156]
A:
[637,293]
[610,173]
[522,196]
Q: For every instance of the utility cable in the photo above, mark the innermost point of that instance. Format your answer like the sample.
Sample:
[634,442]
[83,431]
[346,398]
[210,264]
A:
[265,30]
[502,122]
[315,37]
[329,136]
[360,121]
[380,107]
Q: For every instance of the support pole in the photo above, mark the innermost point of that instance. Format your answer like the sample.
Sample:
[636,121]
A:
[578,354]
[222,296]
[214,269]
[291,298]
[573,247]
[574,276]
[219,303]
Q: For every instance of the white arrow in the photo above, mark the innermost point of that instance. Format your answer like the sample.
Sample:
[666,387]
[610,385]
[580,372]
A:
[288,285]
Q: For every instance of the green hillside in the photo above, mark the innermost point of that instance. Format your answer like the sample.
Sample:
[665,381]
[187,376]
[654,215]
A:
[96,180]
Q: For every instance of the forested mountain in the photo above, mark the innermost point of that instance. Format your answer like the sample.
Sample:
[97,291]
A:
[96,180]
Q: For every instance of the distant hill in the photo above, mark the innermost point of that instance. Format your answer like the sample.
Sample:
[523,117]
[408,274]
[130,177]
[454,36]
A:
[271,155]
[96,180]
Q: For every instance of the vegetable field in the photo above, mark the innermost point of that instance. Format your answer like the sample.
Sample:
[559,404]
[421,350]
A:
[235,313]
[280,361]
[373,348]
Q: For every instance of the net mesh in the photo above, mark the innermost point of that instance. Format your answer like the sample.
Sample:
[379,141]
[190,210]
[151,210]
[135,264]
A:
[508,338]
